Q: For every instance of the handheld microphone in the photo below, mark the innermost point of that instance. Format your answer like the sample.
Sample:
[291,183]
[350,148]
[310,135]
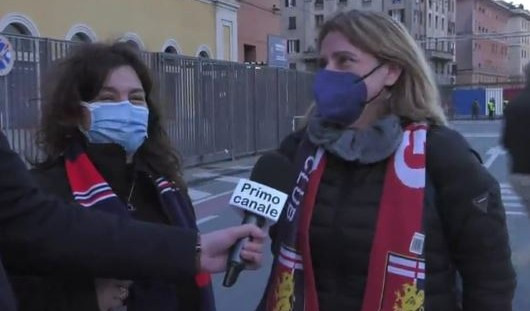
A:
[262,198]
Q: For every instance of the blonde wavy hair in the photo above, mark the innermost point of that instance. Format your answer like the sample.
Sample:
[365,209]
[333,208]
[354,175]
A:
[415,95]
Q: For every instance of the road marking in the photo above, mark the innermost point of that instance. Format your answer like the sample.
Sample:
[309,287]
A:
[206,219]
[511,201]
[515,213]
[513,205]
[204,174]
[211,197]
[506,191]
[241,167]
[493,154]
[230,179]
[481,135]
[510,197]
[197,194]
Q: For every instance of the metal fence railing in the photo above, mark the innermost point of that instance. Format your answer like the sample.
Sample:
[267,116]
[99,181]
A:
[214,110]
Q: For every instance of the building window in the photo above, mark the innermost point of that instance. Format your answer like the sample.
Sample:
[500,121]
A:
[169,50]
[292,22]
[343,2]
[292,66]
[397,15]
[249,53]
[430,20]
[132,44]
[204,54]
[443,23]
[293,46]
[436,22]
[319,4]
[319,20]
[290,3]
[16,29]
[430,4]
[81,38]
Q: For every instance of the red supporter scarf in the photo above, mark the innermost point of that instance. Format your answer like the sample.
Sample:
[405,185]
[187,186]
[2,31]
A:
[396,275]
[90,190]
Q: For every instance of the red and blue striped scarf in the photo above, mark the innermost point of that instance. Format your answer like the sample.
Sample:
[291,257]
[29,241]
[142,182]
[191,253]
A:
[396,273]
[91,190]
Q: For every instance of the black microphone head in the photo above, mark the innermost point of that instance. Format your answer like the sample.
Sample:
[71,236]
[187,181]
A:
[274,170]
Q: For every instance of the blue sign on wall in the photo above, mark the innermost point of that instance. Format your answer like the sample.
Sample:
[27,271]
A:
[277,51]
[7,56]
[463,100]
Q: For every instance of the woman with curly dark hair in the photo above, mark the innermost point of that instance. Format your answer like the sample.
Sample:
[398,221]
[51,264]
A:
[105,148]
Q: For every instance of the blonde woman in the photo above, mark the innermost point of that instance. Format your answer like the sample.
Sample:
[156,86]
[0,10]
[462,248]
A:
[389,204]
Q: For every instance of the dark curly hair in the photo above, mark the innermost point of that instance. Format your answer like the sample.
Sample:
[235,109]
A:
[79,78]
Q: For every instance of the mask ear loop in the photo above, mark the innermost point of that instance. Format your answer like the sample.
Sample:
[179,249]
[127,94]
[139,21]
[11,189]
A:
[366,76]
[369,73]
[376,96]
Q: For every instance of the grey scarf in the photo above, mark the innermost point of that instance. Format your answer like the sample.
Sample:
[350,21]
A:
[368,145]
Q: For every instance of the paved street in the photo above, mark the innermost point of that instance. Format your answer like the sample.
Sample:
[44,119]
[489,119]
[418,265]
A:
[211,187]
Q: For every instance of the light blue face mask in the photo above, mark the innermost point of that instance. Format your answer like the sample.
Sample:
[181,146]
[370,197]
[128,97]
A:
[120,123]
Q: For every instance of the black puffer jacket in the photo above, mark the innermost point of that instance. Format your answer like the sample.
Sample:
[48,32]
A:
[76,291]
[460,235]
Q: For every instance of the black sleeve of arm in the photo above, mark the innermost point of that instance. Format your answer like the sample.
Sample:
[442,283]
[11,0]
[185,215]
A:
[41,234]
[470,204]
[507,130]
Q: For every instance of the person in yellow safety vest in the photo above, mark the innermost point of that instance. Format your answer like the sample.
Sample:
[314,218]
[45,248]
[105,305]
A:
[491,108]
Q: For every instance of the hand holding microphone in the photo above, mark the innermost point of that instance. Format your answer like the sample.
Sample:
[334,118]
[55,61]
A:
[215,246]
[262,198]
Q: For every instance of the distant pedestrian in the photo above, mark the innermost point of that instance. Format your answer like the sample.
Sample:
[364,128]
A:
[491,108]
[475,109]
